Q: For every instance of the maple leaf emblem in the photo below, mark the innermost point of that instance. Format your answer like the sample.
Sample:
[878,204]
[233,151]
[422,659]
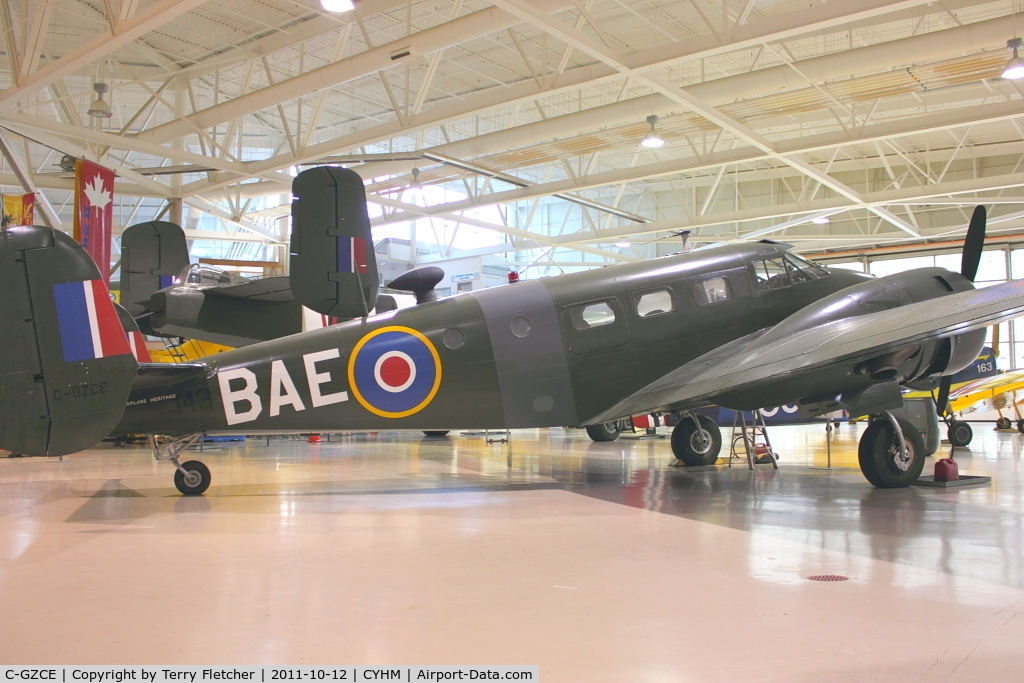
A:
[97,193]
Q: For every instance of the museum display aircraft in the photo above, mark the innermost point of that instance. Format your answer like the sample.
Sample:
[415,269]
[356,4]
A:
[744,326]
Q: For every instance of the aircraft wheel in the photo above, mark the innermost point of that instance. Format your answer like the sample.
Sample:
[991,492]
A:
[960,433]
[435,432]
[197,483]
[1020,426]
[1004,423]
[607,431]
[879,455]
[696,447]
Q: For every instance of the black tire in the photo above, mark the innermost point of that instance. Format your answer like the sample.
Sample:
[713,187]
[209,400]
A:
[607,431]
[694,448]
[1020,426]
[436,432]
[1004,423]
[204,478]
[877,455]
[959,433]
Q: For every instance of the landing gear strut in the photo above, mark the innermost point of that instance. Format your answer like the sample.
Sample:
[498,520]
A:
[696,440]
[191,477]
[891,452]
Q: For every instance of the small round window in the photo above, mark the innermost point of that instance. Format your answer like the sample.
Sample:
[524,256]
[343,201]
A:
[520,326]
[454,338]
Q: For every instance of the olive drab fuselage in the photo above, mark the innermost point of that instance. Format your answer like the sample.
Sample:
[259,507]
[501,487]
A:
[551,352]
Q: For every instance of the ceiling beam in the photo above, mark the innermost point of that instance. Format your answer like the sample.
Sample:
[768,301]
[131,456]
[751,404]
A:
[156,15]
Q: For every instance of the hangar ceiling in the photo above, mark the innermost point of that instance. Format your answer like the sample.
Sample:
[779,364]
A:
[848,123]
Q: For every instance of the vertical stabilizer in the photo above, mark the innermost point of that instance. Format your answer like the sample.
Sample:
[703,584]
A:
[333,268]
[66,369]
[152,254]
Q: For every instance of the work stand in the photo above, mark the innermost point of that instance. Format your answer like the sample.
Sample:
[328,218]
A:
[754,437]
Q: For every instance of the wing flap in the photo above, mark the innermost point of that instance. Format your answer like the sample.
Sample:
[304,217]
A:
[746,363]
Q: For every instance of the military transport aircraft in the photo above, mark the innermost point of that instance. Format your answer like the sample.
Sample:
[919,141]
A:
[743,326]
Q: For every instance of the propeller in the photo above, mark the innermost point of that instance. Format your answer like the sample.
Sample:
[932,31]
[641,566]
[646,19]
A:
[974,242]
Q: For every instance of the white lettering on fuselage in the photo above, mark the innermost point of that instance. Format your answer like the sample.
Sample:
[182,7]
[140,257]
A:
[242,403]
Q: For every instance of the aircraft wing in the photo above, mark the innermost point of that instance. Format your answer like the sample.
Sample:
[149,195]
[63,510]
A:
[277,288]
[746,364]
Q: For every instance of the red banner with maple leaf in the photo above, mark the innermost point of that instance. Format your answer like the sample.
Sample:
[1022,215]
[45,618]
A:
[94,212]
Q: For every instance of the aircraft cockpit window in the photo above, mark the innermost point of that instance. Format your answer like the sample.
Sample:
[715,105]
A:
[654,303]
[591,315]
[712,291]
[811,270]
[771,274]
[796,273]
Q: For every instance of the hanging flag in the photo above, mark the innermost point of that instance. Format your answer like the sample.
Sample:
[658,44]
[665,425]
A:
[94,212]
[18,209]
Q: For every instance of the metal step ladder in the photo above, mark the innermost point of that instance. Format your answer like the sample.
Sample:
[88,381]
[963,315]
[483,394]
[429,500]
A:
[752,435]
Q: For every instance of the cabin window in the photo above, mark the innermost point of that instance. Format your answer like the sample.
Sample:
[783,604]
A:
[591,315]
[711,291]
[653,303]
[809,270]
[771,274]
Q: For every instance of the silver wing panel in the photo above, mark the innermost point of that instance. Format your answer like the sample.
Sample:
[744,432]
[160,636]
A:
[746,362]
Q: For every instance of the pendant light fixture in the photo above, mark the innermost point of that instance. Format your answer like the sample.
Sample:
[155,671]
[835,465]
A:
[652,140]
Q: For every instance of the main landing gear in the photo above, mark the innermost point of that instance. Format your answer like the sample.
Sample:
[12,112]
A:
[606,431]
[696,440]
[191,477]
[891,452]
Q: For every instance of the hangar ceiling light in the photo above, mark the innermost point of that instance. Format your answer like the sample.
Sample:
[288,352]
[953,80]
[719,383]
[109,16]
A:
[1015,67]
[652,140]
[337,5]
[99,108]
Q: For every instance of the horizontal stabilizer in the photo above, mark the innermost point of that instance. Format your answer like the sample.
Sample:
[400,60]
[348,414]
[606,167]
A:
[275,288]
[67,367]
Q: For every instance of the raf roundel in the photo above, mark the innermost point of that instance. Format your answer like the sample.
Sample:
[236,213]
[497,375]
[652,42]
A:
[394,371]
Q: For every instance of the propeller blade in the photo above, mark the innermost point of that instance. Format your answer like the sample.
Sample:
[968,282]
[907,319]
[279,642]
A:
[942,403]
[973,244]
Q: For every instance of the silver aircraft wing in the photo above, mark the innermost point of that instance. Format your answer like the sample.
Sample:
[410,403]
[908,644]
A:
[745,363]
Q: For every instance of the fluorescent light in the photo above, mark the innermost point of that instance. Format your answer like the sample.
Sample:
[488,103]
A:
[820,220]
[652,140]
[1014,68]
[622,245]
[337,5]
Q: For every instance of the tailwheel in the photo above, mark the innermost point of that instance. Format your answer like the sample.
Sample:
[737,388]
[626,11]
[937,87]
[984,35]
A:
[192,478]
[606,431]
[883,461]
[960,433]
[696,446]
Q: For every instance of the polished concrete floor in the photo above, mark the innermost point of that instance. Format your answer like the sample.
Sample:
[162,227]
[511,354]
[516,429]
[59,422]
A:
[597,562]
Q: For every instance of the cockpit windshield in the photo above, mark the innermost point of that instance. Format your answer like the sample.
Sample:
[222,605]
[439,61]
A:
[201,274]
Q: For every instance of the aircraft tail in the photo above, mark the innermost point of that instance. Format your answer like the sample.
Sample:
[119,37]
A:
[152,254]
[333,268]
[67,367]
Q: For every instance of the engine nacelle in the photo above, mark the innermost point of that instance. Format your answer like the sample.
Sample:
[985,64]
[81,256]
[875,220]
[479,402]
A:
[874,295]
